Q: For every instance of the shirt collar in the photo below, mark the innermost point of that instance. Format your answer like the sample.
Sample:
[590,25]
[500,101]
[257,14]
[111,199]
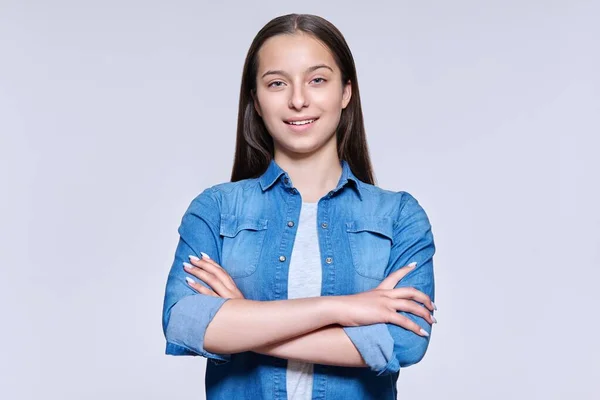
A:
[275,172]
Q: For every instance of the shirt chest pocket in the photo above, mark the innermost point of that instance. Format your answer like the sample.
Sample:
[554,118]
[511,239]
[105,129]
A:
[243,239]
[371,240]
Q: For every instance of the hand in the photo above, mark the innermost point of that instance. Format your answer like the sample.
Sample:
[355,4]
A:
[211,273]
[382,303]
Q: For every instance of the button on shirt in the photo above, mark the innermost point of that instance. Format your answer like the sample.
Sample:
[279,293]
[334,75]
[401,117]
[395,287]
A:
[364,234]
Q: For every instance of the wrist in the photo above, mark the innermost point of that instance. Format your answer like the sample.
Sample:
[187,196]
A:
[332,309]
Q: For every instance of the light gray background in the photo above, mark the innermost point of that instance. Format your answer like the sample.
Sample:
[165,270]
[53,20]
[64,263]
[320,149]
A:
[115,114]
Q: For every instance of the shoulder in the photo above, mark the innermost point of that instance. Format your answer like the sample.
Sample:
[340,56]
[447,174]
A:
[208,205]
[402,205]
[221,190]
[226,188]
[214,197]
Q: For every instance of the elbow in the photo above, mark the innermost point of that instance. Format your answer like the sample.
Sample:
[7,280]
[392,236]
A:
[404,358]
[409,347]
[414,354]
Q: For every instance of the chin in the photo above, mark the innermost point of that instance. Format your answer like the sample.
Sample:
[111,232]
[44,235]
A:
[300,148]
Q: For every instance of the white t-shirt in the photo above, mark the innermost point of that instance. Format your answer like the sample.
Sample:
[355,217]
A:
[304,280]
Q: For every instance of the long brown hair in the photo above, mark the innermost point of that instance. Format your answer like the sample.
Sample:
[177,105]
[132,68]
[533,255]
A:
[254,145]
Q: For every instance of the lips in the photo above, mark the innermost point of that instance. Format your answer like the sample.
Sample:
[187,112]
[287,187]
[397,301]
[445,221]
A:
[301,121]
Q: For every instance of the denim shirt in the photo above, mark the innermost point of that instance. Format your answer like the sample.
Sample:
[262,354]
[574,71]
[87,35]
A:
[249,226]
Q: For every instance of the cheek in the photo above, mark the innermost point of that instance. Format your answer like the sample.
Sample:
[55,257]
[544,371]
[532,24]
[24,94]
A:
[270,101]
[329,100]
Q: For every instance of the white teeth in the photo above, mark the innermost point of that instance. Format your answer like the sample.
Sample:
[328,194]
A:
[308,121]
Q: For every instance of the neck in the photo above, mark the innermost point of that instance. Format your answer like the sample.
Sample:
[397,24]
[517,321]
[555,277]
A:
[312,176]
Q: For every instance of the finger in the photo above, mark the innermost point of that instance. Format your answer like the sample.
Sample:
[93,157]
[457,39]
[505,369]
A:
[207,291]
[208,278]
[200,288]
[205,257]
[392,279]
[216,270]
[211,266]
[407,323]
[410,293]
[413,308]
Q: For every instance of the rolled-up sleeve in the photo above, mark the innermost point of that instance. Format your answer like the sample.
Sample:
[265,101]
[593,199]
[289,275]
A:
[187,313]
[388,347]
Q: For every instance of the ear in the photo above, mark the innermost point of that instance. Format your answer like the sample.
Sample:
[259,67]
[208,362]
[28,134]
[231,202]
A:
[255,101]
[347,94]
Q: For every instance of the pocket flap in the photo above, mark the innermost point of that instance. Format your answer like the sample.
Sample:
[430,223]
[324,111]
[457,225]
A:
[231,225]
[380,225]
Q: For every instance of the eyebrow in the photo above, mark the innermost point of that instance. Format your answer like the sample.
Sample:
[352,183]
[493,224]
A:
[309,69]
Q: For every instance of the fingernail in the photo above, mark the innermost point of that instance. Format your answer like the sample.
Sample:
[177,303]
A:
[204,255]
[412,264]
[434,306]
[189,280]
[424,332]
[187,265]
[433,319]
[194,258]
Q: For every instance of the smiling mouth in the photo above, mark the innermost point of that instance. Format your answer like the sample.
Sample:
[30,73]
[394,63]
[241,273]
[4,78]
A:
[300,123]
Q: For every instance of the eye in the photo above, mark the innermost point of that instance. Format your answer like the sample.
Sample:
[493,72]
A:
[322,80]
[272,84]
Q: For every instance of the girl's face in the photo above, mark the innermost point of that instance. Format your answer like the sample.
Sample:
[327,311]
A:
[299,94]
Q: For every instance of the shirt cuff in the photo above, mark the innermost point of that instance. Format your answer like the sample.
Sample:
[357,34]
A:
[188,320]
[376,346]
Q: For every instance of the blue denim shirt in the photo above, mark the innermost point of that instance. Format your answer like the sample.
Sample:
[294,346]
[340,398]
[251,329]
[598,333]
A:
[249,226]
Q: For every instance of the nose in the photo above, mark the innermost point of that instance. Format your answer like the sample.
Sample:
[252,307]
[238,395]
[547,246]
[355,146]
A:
[298,97]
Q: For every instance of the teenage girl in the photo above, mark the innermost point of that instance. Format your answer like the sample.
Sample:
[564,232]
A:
[301,279]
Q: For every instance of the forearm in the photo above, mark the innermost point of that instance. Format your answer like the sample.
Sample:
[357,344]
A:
[328,345]
[241,325]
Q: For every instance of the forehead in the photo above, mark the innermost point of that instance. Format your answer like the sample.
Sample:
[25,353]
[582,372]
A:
[293,53]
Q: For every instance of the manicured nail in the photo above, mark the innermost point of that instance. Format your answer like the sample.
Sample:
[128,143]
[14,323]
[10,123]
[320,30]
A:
[187,265]
[194,258]
[433,319]
[204,255]
[434,306]
[424,332]
[189,280]
[412,264]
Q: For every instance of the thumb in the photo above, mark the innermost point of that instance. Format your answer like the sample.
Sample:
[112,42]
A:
[392,279]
